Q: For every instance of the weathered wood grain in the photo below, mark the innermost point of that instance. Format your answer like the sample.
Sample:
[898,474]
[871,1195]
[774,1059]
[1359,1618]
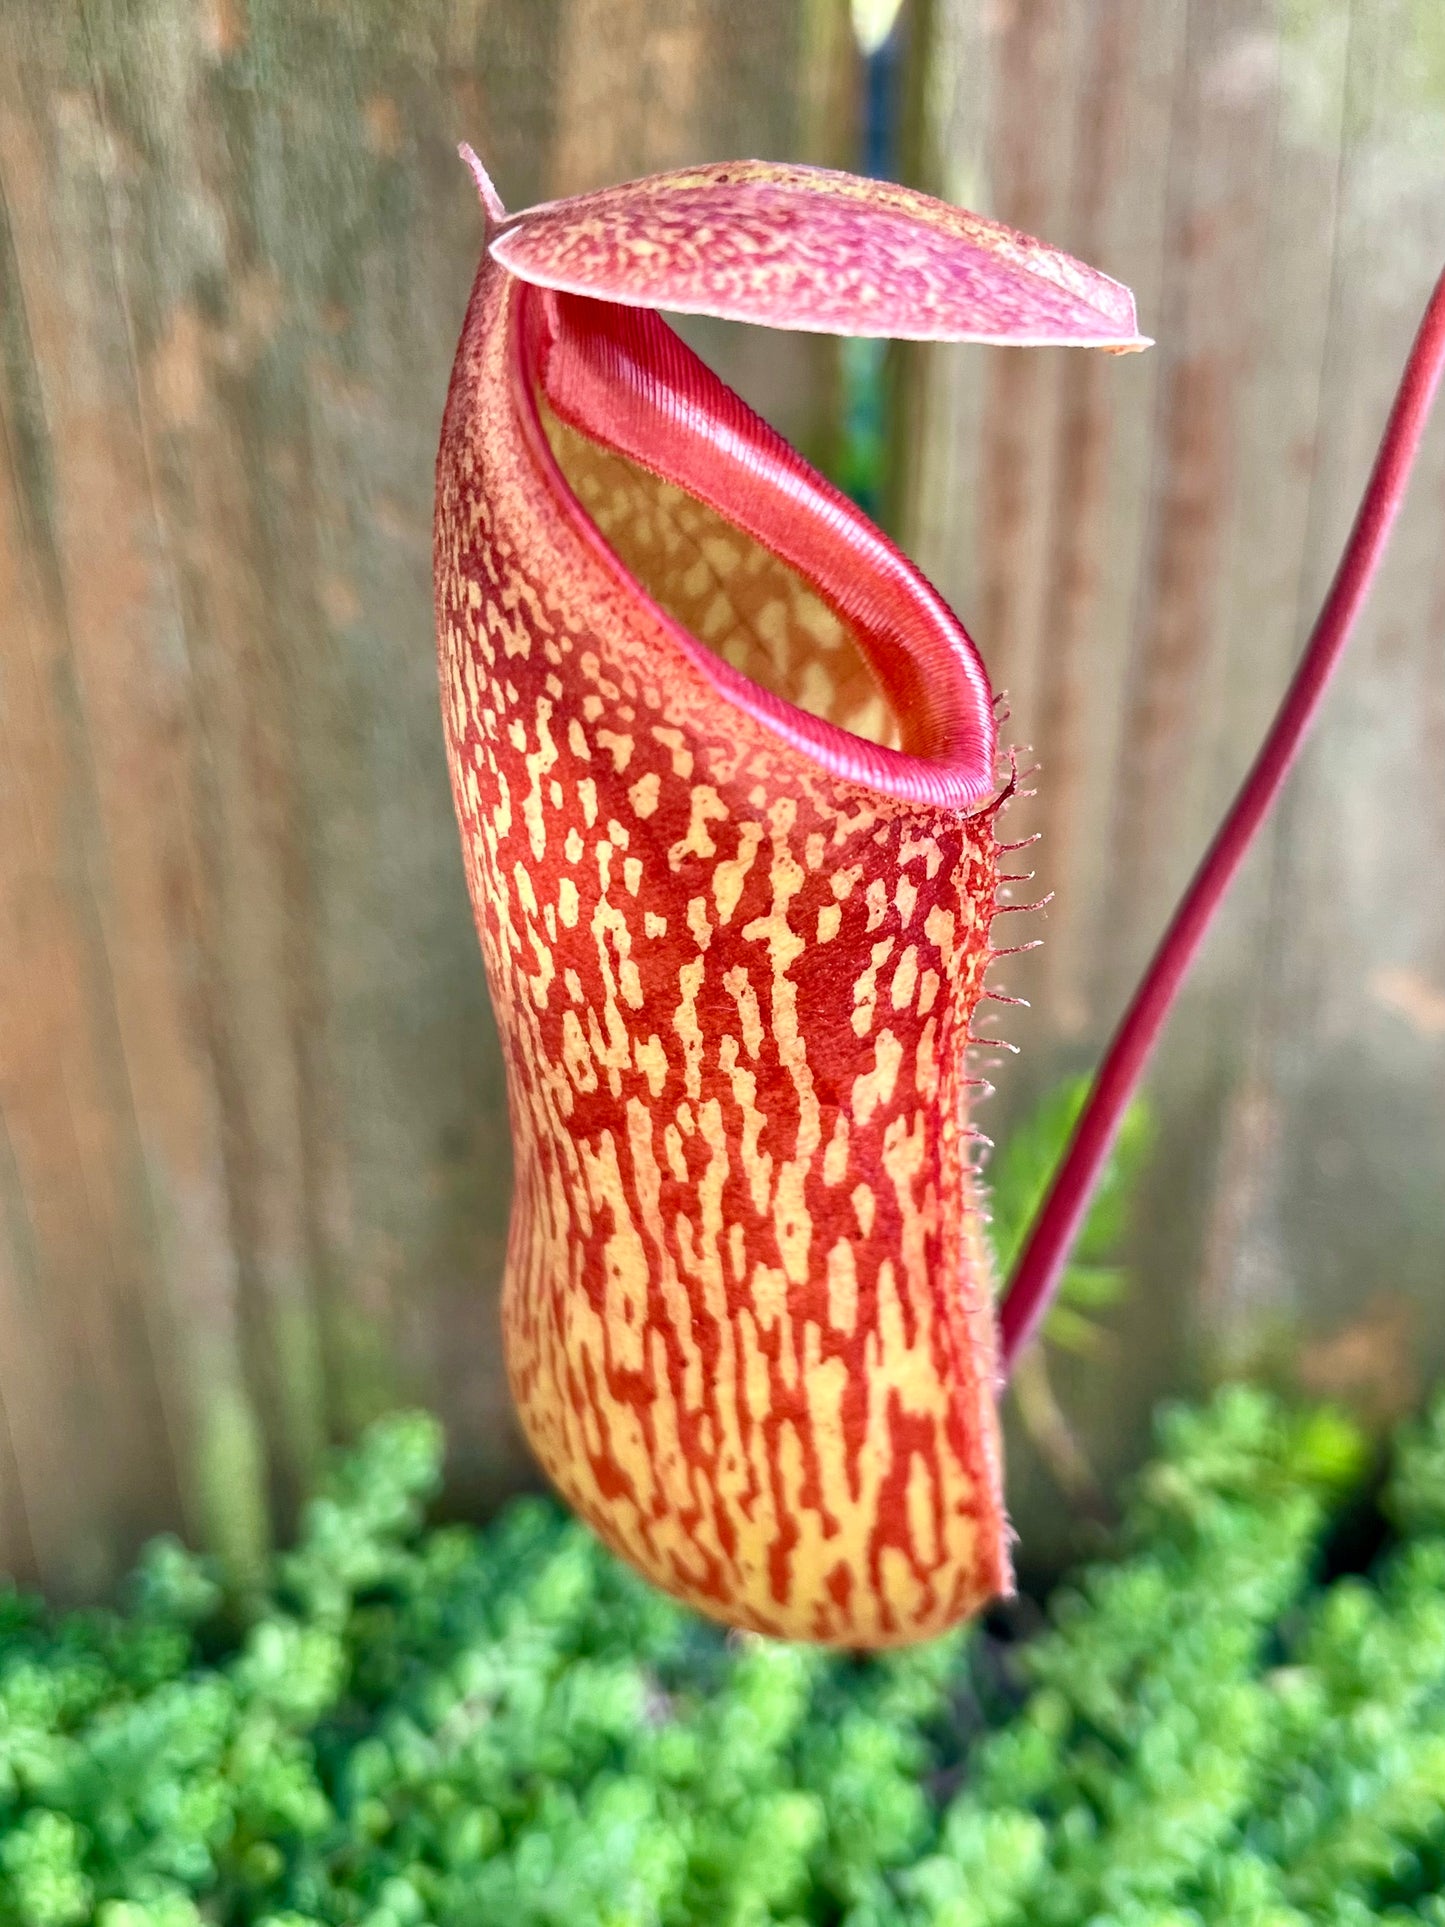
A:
[254,1163]
[1139,549]
[253,1147]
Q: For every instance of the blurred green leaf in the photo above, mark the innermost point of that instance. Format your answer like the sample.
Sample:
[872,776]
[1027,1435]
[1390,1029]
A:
[1019,1175]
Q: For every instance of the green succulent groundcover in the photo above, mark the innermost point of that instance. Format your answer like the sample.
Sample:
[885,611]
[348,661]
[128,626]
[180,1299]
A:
[1221,1724]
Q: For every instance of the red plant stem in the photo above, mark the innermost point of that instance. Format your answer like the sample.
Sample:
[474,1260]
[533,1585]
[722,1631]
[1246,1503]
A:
[1051,1237]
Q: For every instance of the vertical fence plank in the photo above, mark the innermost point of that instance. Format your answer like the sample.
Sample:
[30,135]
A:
[254,1167]
[134,1093]
[1270,183]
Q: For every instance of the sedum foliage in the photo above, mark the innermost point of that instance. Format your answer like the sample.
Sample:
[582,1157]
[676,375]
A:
[414,1726]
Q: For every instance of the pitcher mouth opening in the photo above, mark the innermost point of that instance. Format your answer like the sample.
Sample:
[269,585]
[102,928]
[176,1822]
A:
[775,586]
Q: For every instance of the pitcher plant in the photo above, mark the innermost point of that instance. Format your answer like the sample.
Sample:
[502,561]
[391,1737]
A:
[727,774]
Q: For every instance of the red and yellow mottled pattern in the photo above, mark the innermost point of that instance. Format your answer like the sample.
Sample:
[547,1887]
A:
[747,1311]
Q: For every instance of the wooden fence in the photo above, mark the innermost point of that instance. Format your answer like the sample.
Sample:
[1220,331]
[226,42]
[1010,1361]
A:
[253,1148]
[1141,546]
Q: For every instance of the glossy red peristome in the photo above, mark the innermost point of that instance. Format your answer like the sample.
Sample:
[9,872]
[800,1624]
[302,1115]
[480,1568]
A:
[724,770]
[623,377]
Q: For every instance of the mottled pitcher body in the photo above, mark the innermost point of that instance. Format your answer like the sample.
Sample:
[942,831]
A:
[747,1306]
